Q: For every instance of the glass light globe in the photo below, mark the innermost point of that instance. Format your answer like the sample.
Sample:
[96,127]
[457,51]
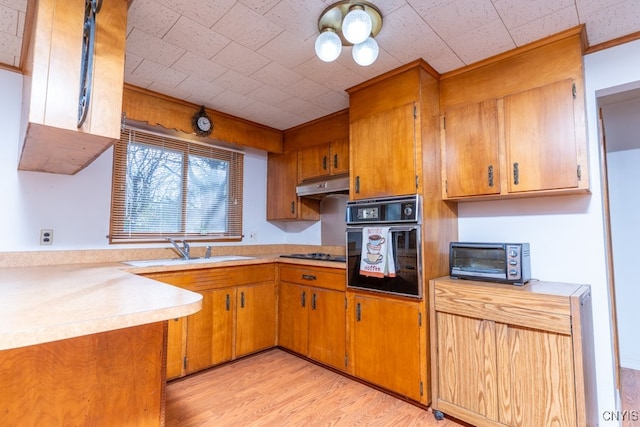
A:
[365,53]
[356,26]
[328,45]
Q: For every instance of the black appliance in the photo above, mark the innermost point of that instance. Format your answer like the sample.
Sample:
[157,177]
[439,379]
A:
[493,262]
[403,216]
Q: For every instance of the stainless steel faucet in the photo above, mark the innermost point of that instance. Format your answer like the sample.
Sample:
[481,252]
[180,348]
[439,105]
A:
[184,251]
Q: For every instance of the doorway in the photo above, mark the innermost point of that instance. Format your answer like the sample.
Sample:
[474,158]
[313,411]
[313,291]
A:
[620,157]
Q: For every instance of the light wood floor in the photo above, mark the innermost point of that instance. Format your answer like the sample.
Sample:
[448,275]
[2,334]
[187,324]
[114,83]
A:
[276,388]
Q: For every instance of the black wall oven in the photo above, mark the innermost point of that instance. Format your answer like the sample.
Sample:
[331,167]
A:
[400,220]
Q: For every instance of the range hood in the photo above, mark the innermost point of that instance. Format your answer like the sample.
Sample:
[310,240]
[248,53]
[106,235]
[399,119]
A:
[334,184]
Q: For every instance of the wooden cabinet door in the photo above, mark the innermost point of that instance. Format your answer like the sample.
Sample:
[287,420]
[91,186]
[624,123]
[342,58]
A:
[224,308]
[387,344]
[536,384]
[200,335]
[282,177]
[282,201]
[176,335]
[467,364]
[327,327]
[314,162]
[293,322]
[541,138]
[255,318]
[470,151]
[383,154]
[53,141]
[339,156]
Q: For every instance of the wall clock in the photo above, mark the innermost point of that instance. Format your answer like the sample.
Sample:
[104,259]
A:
[202,123]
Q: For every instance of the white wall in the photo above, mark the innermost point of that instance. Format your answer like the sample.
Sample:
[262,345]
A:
[624,203]
[77,207]
[605,71]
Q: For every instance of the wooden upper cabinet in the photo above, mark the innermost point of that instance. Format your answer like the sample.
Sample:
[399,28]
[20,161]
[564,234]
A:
[519,121]
[470,152]
[324,160]
[282,201]
[392,132]
[52,140]
[540,136]
[339,156]
[314,162]
[383,154]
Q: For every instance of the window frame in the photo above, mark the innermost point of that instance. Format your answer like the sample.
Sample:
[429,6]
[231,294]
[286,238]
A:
[233,217]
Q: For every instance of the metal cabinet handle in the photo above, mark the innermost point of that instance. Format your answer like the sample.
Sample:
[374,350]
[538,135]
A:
[293,207]
[241,299]
[516,174]
[313,301]
[357,184]
[303,299]
[490,175]
[228,302]
[324,162]
[358,312]
[335,161]
[309,277]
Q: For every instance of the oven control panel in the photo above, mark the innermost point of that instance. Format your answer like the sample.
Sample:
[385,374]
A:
[384,210]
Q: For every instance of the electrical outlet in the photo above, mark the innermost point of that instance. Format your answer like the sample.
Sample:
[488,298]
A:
[46,236]
[253,236]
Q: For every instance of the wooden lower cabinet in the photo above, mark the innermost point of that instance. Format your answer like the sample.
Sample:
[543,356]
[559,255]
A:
[176,341]
[505,355]
[388,344]
[238,316]
[111,378]
[312,315]
[255,318]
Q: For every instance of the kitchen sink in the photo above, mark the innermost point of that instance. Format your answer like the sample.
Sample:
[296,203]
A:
[180,261]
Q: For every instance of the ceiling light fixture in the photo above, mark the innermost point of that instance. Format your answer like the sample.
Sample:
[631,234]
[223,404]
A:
[349,23]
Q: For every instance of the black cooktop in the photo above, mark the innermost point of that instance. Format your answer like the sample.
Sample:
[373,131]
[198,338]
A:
[317,256]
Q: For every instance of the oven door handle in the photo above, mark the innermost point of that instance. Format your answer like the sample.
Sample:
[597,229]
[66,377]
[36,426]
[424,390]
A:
[391,228]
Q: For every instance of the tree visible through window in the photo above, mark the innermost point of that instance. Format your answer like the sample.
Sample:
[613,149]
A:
[165,187]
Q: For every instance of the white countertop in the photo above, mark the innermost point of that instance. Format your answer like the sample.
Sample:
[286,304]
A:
[49,303]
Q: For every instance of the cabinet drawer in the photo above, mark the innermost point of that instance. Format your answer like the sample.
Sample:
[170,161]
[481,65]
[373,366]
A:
[314,276]
[234,276]
[214,278]
[505,304]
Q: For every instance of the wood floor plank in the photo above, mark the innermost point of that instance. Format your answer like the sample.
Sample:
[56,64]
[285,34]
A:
[275,388]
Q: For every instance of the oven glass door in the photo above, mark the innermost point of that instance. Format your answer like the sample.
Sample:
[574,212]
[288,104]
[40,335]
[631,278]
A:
[405,242]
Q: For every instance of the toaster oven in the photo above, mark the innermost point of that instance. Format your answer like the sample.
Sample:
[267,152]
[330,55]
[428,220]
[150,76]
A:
[494,262]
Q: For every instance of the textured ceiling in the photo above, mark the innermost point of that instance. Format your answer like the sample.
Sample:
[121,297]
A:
[255,59]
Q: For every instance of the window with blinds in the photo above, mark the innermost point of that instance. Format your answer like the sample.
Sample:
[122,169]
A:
[166,187]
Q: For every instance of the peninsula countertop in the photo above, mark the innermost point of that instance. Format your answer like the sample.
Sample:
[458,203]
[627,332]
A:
[39,304]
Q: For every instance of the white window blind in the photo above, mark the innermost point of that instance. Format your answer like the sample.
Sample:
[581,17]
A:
[167,187]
